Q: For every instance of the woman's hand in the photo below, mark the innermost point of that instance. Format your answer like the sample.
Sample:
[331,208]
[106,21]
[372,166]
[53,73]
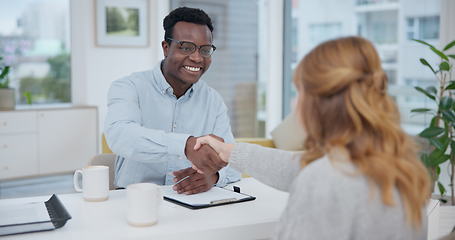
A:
[223,149]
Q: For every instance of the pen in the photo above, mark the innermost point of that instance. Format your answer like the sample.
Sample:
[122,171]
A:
[181,180]
[223,201]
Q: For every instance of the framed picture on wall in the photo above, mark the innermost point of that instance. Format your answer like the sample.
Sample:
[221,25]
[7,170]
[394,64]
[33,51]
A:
[121,23]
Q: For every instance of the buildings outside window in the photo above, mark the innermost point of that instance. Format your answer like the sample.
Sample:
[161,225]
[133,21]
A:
[320,32]
[423,28]
[389,24]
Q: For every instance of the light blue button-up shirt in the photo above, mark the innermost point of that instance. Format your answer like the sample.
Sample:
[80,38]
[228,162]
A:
[147,127]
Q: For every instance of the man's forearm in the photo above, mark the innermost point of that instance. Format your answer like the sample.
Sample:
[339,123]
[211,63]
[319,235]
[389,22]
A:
[129,139]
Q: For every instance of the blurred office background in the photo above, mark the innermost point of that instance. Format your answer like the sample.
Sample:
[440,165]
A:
[52,48]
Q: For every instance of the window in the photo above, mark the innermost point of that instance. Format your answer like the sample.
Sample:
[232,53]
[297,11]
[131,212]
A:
[366,2]
[391,76]
[380,21]
[320,32]
[378,26]
[424,28]
[35,42]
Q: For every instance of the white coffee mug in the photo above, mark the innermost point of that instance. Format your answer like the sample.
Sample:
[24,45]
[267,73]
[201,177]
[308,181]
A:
[143,204]
[95,182]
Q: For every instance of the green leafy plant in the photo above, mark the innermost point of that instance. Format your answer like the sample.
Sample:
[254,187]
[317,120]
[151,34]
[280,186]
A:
[4,80]
[441,130]
[28,97]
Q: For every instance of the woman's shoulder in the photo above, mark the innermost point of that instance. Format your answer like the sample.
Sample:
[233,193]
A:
[330,177]
[332,189]
[332,170]
[343,186]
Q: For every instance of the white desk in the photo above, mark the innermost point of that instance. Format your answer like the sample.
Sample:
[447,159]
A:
[107,220]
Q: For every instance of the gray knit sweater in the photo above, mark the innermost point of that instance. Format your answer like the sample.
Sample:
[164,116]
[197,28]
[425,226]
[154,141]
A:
[325,200]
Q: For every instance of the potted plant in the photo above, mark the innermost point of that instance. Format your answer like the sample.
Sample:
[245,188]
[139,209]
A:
[7,98]
[440,133]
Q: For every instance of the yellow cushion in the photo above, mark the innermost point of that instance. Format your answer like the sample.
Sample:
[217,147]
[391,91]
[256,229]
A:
[105,148]
[265,142]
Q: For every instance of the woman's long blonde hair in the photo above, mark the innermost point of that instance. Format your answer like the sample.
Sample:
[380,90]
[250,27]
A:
[343,103]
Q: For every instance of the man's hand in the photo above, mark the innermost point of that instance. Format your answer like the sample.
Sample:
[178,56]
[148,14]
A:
[205,158]
[195,183]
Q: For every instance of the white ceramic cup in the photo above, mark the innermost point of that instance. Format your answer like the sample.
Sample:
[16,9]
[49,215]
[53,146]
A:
[143,204]
[95,182]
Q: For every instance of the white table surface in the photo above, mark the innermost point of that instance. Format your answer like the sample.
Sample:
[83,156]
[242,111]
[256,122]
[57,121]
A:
[107,220]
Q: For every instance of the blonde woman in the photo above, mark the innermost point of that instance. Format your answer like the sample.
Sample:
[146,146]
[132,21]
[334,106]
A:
[359,177]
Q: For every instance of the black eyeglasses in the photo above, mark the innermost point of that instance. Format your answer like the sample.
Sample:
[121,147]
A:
[188,48]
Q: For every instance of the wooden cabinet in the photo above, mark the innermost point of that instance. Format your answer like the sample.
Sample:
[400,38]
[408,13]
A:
[47,141]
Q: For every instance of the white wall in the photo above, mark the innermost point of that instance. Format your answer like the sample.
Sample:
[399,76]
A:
[94,67]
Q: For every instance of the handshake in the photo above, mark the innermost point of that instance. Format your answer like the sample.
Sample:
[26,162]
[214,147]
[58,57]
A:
[208,154]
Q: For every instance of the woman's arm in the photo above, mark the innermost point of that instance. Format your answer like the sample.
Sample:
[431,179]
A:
[273,167]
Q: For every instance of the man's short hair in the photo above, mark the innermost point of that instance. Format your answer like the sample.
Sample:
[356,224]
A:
[185,14]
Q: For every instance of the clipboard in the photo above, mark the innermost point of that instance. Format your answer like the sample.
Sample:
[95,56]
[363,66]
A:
[33,217]
[216,196]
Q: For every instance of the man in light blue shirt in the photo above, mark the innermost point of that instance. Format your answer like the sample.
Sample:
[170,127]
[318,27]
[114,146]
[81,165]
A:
[154,115]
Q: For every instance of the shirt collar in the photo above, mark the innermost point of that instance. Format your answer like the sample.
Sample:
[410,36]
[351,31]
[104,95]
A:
[164,86]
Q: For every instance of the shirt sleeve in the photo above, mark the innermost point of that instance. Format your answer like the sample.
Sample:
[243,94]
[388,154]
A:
[223,129]
[125,134]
